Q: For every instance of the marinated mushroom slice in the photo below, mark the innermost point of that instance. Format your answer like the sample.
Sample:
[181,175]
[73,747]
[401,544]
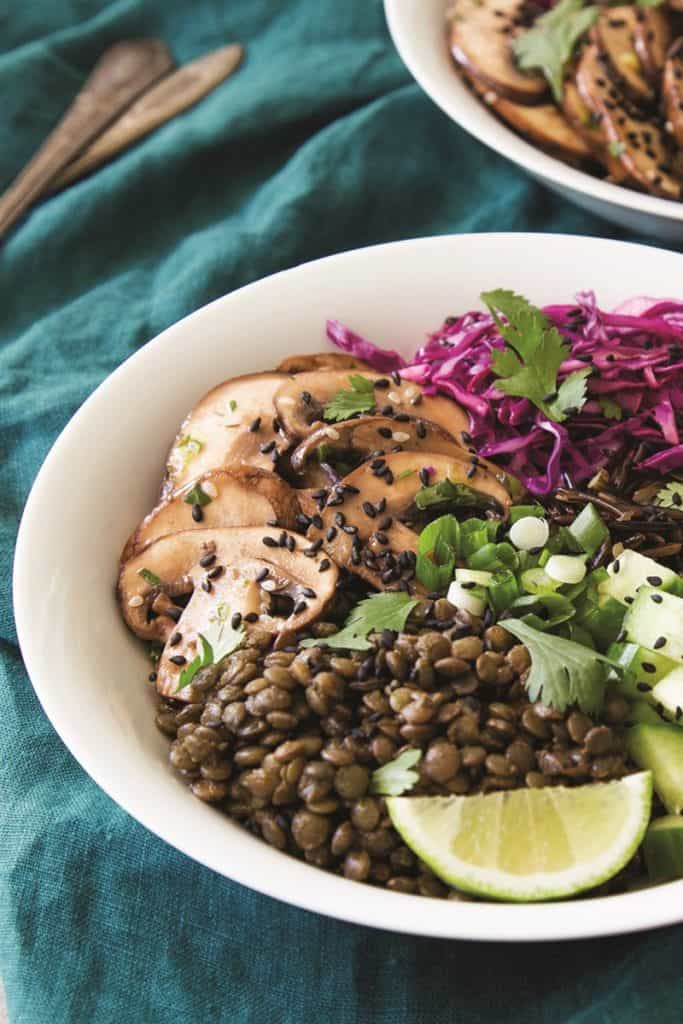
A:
[543,124]
[380,549]
[302,400]
[320,361]
[353,440]
[614,32]
[252,576]
[481,36]
[672,91]
[652,40]
[578,114]
[638,141]
[231,425]
[244,496]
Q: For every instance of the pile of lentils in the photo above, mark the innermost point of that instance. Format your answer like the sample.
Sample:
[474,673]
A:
[286,741]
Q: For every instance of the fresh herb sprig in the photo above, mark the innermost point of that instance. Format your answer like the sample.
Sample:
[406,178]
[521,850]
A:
[445,492]
[196,496]
[220,640]
[345,404]
[562,672]
[396,777]
[389,610]
[528,366]
[549,44]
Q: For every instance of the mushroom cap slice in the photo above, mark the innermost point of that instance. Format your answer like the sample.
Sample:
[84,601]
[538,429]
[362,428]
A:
[579,115]
[543,124]
[652,40]
[300,402]
[235,560]
[369,434]
[244,496]
[637,140]
[321,361]
[615,32]
[672,90]
[216,433]
[481,35]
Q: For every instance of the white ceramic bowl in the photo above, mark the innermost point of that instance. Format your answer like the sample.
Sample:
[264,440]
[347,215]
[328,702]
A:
[89,671]
[418,30]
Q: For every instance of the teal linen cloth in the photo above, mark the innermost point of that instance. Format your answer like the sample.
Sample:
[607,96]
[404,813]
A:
[321,142]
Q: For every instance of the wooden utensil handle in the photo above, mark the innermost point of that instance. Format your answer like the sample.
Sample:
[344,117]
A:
[123,72]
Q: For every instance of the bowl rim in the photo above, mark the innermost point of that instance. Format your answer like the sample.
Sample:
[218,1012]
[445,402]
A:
[293,881]
[484,126]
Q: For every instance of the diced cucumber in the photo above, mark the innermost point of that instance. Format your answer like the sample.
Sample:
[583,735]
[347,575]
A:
[663,848]
[632,570]
[641,711]
[655,620]
[640,668]
[669,693]
[659,748]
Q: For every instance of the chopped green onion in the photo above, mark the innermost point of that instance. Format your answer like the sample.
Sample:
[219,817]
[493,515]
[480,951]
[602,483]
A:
[529,532]
[589,530]
[537,581]
[503,590]
[543,611]
[149,577]
[521,511]
[472,601]
[484,558]
[479,578]
[543,557]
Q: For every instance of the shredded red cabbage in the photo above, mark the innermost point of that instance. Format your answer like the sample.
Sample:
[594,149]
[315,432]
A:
[634,397]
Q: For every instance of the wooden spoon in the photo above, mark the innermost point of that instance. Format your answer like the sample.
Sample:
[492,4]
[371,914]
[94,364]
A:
[163,101]
[123,72]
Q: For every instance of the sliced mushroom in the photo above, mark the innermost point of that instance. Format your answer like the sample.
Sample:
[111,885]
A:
[224,572]
[231,425]
[637,141]
[300,402]
[244,496]
[578,114]
[320,361]
[359,438]
[615,32]
[543,124]
[359,520]
[481,37]
[652,40]
[672,90]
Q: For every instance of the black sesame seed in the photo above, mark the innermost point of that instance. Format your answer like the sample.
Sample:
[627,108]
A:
[308,592]
[272,522]
[282,539]
[402,417]
[550,397]
[306,397]
[659,643]
[270,542]
[380,506]
[175,639]
[643,687]
[207,560]
[331,533]
[677,499]
[251,617]
[468,585]
[387,410]
[350,529]
[290,542]
[320,493]
[324,565]
[470,472]
[317,521]
[299,607]
[338,500]
[236,620]
[647,666]
[178,659]
[339,518]
[274,455]
[420,429]
[277,425]
[350,489]
[654,581]
[152,677]
[197,513]
[303,521]
[369,509]
[388,476]
[628,599]
[207,586]
[657,598]
[267,447]
[381,538]
[261,575]
[255,425]
[173,613]
[214,573]
[386,523]
[355,556]
[384,431]
[617,566]
[424,476]
[314,548]
[382,383]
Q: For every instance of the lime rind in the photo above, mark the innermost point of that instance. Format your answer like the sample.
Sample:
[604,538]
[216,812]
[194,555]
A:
[433,826]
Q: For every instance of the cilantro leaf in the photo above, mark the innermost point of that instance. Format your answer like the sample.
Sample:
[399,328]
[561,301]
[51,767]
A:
[197,496]
[220,641]
[191,446]
[149,577]
[670,496]
[611,409]
[380,611]
[437,550]
[396,777]
[571,394]
[563,672]
[193,667]
[345,404]
[549,44]
[454,494]
[528,366]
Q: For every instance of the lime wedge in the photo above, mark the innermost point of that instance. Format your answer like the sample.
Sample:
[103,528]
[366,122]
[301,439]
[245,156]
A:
[528,844]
